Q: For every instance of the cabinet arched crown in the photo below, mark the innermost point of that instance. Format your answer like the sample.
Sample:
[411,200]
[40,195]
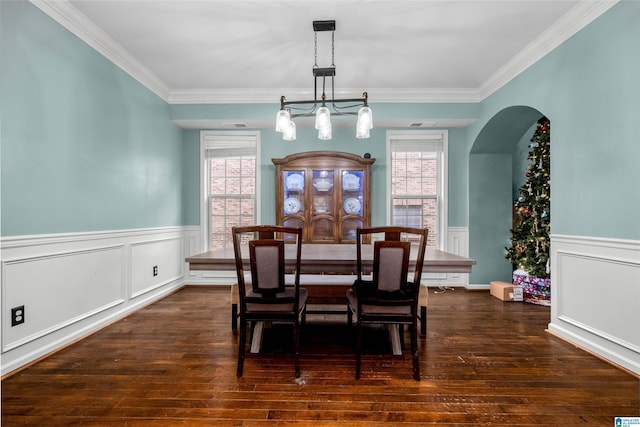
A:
[327,193]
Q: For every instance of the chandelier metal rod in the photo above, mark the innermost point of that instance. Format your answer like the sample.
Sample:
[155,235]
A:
[362,101]
[283,104]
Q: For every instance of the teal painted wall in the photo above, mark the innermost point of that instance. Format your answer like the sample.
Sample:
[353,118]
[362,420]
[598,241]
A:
[588,87]
[192,193]
[84,147]
[458,178]
[491,216]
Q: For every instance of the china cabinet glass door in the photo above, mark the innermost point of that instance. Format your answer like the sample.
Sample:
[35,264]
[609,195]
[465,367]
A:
[322,200]
[352,203]
[293,207]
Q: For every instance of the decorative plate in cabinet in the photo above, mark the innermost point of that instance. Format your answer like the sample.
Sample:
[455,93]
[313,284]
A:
[295,181]
[291,206]
[350,182]
[352,206]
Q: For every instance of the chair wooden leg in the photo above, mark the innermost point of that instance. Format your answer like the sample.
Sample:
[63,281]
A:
[242,339]
[423,321]
[296,346]
[401,334]
[358,348]
[414,351]
[234,317]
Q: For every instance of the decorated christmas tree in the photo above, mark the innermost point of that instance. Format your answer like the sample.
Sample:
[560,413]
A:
[530,234]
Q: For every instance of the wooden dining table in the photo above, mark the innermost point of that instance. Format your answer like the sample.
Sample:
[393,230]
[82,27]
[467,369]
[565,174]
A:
[320,258]
[334,261]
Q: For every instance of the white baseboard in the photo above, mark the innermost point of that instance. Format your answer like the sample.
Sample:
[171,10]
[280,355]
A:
[478,287]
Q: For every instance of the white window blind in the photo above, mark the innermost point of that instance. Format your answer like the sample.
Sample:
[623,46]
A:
[430,145]
[230,146]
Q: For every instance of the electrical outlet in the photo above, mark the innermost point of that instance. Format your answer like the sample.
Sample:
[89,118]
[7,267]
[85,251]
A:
[155,270]
[17,315]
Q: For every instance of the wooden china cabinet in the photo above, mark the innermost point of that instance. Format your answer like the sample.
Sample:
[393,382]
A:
[327,193]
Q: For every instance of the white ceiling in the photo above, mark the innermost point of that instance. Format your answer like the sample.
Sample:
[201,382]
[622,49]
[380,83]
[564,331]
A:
[218,51]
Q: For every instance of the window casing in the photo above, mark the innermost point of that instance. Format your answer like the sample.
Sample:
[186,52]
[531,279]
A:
[417,182]
[229,181]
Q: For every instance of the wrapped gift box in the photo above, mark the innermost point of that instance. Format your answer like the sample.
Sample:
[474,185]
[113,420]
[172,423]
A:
[535,290]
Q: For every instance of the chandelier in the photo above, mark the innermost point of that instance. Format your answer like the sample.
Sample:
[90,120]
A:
[323,107]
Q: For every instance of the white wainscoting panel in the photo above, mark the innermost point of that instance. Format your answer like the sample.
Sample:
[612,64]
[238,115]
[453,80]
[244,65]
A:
[166,256]
[595,294]
[194,244]
[73,284]
[60,289]
[458,244]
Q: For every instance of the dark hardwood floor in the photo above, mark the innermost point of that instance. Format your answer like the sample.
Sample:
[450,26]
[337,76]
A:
[484,362]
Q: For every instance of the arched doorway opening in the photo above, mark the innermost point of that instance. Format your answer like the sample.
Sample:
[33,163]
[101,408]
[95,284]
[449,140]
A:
[494,156]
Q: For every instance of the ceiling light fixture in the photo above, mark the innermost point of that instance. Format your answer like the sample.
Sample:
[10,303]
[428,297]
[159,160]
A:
[324,107]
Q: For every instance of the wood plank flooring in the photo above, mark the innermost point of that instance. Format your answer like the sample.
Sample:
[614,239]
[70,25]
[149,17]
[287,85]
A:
[484,362]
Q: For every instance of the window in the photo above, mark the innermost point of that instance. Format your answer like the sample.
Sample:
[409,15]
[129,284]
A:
[417,182]
[229,177]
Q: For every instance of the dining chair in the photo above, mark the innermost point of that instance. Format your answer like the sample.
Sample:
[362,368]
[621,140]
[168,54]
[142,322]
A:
[387,292]
[271,295]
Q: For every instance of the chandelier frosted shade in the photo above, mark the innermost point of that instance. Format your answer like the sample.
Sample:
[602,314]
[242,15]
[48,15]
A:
[364,123]
[289,132]
[282,120]
[323,118]
[365,118]
[323,123]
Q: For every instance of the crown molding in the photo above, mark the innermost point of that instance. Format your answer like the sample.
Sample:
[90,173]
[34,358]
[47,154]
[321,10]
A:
[578,17]
[272,96]
[427,95]
[70,18]
[230,96]
[573,21]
